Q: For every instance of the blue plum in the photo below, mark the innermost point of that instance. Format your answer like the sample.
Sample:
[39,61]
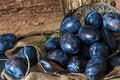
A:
[30,52]
[75,65]
[52,43]
[109,39]
[5,45]
[15,67]
[10,37]
[112,21]
[96,68]
[47,67]
[88,34]
[70,25]
[70,43]
[99,49]
[58,56]
[114,61]
[95,19]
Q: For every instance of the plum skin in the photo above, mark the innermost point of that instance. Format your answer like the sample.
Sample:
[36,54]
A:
[52,43]
[31,53]
[58,56]
[114,61]
[5,45]
[48,67]
[99,49]
[70,25]
[70,43]
[15,67]
[112,21]
[75,65]
[88,34]
[95,19]
[96,68]
[10,37]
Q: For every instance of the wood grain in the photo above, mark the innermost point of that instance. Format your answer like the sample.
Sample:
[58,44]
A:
[30,17]
[72,4]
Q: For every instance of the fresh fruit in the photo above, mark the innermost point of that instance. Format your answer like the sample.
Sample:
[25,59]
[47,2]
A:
[109,39]
[112,21]
[75,65]
[96,68]
[10,37]
[90,44]
[70,25]
[114,61]
[58,56]
[52,43]
[70,43]
[47,67]
[15,67]
[99,49]
[30,52]
[88,34]
[5,45]
[95,19]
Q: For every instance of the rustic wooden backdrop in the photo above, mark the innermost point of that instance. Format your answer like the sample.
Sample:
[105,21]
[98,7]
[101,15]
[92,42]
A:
[29,17]
[11,6]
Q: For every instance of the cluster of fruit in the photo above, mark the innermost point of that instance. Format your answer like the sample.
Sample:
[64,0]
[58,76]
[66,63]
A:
[85,48]
[16,67]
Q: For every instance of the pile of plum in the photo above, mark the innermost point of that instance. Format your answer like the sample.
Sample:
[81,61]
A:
[16,67]
[85,48]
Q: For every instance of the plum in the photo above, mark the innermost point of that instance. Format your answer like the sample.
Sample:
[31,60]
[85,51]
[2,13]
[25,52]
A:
[95,19]
[58,56]
[48,67]
[96,68]
[70,25]
[30,52]
[109,39]
[10,37]
[99,49]
[112,21]
[15,67]
[88,34]
[52,43]
[75,65]
[70,43]
[114,61]
[5,45]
